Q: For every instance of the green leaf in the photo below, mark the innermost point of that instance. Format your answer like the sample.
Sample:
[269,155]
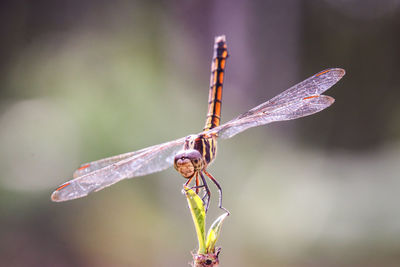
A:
[198,212]
[213,233]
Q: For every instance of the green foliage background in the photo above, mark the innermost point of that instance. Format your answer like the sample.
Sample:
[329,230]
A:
[83,80]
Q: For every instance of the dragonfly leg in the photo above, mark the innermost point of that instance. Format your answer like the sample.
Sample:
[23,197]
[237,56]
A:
[219,191]
[197,186]
[188,182]
[206,203]
[204,196]
[197,183]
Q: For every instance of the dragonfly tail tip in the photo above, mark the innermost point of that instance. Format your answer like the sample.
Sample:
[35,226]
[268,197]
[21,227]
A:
[220,38]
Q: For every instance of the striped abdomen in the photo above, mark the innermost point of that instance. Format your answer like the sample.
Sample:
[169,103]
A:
[216,82]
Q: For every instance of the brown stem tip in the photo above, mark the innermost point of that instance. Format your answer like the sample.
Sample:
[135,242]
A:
[206,260]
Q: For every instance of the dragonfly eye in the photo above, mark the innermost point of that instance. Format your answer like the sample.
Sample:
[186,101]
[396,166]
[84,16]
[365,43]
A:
[188,162]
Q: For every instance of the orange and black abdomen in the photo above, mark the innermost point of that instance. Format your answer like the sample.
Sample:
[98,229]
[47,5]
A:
[216,82]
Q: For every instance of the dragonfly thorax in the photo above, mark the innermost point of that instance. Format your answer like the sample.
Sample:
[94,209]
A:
[188,162]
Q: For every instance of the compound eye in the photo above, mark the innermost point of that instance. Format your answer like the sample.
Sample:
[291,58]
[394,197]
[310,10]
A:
[193,155]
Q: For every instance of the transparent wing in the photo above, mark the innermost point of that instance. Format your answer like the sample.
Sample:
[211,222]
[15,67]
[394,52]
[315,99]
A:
[129,165]
[88,167]
[301,100]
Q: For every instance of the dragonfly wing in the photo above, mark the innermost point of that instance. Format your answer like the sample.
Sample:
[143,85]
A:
[293,110]
[314,85]
[298,101]
[150,160]
[88,167]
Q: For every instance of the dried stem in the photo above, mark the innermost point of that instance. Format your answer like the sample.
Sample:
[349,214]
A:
[206,260]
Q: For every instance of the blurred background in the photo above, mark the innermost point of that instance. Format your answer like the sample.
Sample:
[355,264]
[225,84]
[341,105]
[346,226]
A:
[84,80]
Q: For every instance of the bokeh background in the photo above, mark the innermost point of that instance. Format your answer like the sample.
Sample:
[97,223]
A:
[82,80]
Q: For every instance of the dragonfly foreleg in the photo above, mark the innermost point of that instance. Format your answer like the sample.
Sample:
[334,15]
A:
[197,183]
[219,191]
[197,186]
[188,182]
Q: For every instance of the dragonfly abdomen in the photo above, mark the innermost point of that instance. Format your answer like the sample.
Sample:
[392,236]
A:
[216,83]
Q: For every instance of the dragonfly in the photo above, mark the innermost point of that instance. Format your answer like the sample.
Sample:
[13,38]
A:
[191,155]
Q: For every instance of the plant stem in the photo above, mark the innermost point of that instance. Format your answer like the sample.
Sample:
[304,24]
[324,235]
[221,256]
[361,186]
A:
[206,260]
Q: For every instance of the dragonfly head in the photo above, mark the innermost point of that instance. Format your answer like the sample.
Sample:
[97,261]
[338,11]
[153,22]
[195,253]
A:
[188,162]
